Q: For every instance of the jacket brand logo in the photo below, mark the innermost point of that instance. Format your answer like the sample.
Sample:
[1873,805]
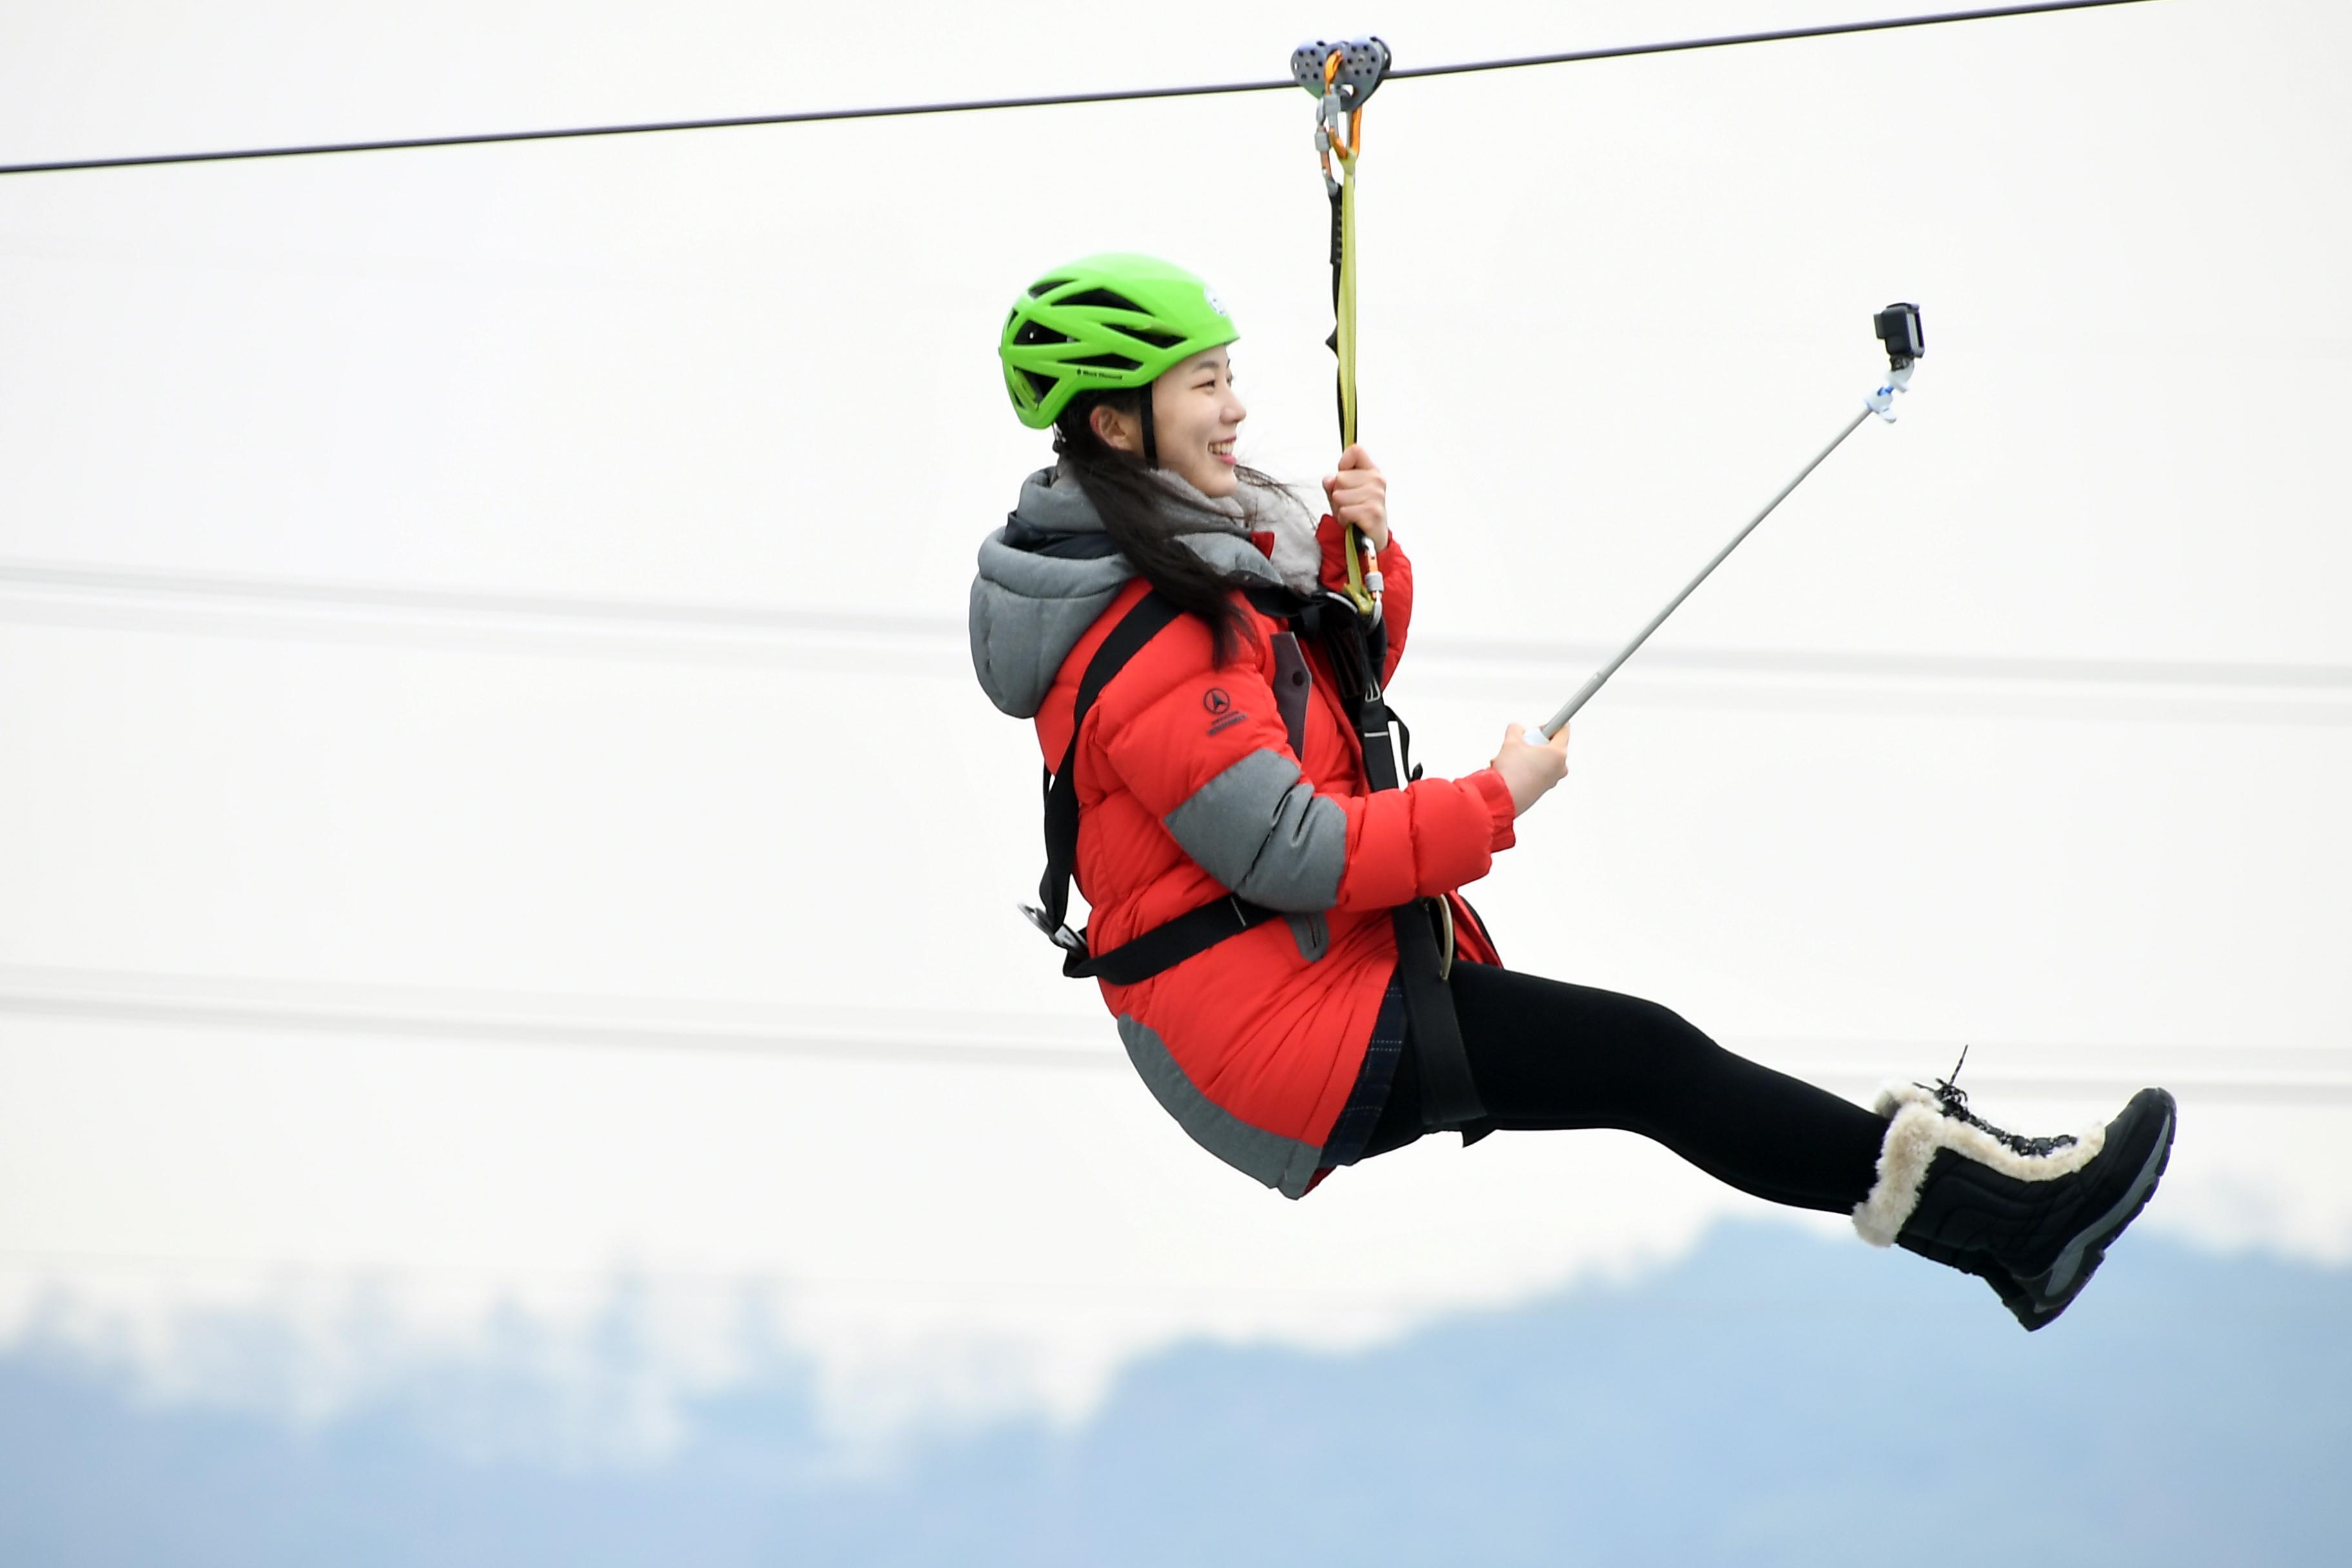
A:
[1215,701]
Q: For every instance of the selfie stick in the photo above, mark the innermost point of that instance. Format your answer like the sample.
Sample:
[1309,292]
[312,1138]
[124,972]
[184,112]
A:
[1899,329]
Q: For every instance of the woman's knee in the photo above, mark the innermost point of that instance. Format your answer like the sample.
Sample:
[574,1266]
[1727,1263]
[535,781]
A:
[1533,1006]
[1663,1026]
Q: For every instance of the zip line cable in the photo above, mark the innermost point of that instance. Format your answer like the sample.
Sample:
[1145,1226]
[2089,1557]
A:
[811,117]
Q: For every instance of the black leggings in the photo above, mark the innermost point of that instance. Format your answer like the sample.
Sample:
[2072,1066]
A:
[1549,1055]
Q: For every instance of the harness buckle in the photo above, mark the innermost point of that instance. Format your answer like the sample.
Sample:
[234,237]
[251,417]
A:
[1061,936]
[1441,908]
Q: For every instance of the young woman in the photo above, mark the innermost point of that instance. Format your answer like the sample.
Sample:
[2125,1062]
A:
[1168,618]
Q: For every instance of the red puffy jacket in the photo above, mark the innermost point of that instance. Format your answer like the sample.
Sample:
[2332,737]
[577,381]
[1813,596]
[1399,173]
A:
[1187,788]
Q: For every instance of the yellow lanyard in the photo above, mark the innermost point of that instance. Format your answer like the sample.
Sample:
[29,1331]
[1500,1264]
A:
[1339,132]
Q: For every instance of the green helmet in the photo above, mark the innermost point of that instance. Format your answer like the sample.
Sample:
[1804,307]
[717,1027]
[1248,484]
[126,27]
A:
[1104,324]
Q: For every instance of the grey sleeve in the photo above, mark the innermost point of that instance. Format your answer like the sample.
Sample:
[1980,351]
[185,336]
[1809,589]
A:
[1260,829]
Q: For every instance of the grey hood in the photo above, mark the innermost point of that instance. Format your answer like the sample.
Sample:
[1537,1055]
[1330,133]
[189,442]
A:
[1051,570]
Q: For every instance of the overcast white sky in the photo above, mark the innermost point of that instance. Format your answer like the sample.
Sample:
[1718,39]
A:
[461,949]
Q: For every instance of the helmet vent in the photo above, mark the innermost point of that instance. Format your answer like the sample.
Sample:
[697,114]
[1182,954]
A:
[1041,387]
[1032,332]
[1157,340]
[1104,299]
[1046,285]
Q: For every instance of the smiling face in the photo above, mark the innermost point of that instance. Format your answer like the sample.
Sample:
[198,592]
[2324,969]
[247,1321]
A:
[1195,414]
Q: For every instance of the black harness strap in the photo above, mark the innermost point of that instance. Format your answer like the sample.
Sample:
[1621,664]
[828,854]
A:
[1163,946]
[1450,1099]
[1449,1094]
[1151,614]
[1166,946]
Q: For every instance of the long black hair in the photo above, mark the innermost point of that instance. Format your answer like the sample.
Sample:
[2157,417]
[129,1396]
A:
[1145,517]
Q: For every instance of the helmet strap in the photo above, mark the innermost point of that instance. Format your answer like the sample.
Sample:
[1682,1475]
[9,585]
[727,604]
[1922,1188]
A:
[1151,438]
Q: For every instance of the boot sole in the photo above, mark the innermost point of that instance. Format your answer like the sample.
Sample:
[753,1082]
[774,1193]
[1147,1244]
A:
[2080,1259]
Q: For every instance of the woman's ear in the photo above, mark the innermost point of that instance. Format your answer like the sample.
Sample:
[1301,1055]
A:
[1117,431]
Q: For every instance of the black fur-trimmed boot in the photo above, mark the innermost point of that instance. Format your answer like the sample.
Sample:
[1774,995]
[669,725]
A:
[2032,1216]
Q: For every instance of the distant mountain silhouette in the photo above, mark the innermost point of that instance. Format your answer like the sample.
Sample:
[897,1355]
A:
[1774,1399]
